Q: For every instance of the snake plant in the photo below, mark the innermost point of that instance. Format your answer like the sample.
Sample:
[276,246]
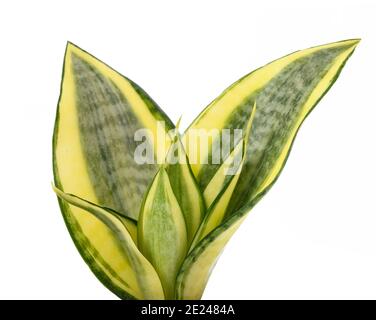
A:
[154,229]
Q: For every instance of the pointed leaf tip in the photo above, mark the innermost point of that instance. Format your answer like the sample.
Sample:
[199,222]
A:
[286,90]
[177,126]
[98,114]
[162,233]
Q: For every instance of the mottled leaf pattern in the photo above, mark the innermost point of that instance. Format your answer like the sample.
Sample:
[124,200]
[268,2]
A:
[152,231]
[98,113]
[286,90]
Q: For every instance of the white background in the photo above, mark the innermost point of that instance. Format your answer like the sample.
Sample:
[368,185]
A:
[312,236]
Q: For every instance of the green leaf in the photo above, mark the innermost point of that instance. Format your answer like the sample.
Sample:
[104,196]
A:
[138,278]
[224,187]
[286,90]
[94,144]
[221,178]
[185,187]
[98,114]
[223,175]
[197,267]
[162,235]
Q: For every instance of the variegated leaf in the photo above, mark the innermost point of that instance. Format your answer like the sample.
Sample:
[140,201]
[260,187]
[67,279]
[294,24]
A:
[286,90]
[137,278]
[98,114]
[162,235]
[223,186]
[185,187]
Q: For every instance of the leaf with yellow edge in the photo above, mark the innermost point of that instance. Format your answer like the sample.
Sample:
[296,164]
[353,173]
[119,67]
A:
[224,189]
[162,235]
[233,162]
[98,114]
[184,186]
[221,178]
[197,267]
[286,90]
[139,279]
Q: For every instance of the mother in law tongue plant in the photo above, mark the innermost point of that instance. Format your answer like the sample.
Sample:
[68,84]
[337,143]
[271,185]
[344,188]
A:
[155,230]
